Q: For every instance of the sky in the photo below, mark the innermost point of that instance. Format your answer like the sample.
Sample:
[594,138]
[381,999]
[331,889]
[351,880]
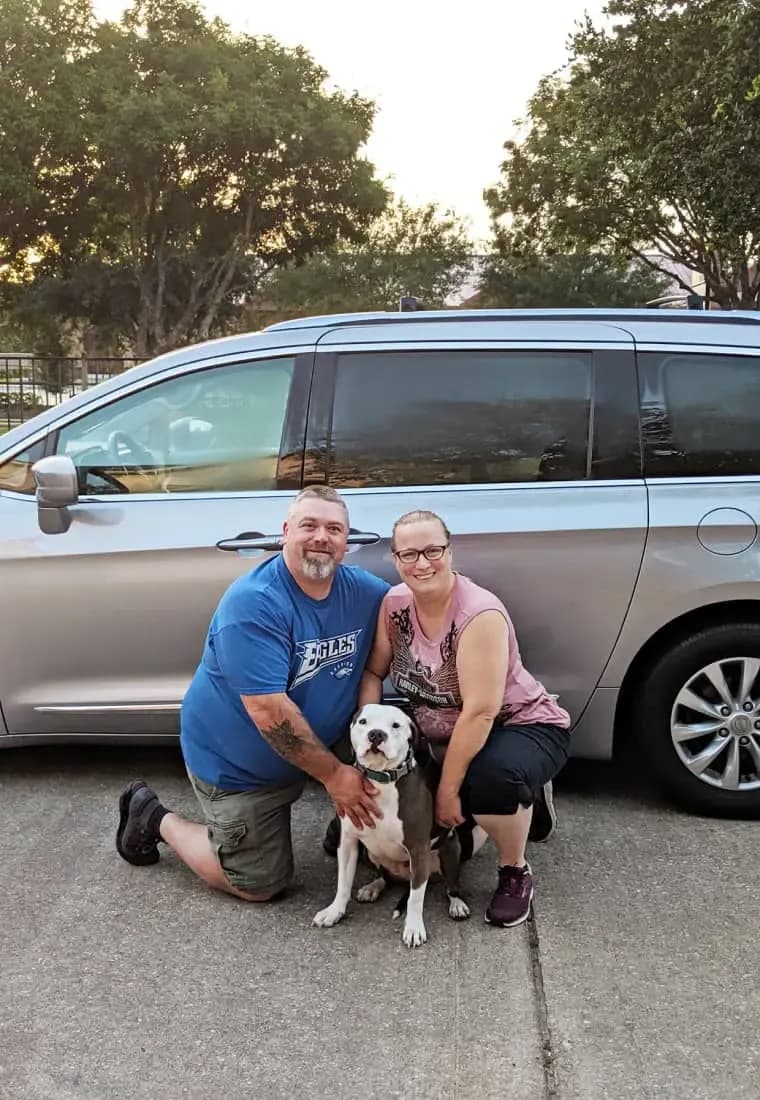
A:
[449,79]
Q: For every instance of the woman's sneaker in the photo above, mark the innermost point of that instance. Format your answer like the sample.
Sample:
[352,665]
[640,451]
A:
[510,904]
[137,836]
[544,820]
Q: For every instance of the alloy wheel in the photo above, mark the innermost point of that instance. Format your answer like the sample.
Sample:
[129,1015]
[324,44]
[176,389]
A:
[715,724]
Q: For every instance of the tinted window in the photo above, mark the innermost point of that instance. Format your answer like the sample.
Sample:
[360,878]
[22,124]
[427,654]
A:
[700,414]
[217,430]
[16,472]
[453,417]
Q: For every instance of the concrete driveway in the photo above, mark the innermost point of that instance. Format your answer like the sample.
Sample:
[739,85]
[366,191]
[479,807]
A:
[639,977]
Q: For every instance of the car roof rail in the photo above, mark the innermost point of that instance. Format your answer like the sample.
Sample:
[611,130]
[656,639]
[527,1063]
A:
[416,316]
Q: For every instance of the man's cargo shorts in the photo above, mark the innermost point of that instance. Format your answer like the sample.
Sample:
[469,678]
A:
[250,830]
[250,833]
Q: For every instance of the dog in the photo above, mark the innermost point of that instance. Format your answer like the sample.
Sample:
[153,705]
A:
[405,843]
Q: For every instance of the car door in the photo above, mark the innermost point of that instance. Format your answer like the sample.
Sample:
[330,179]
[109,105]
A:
[109,617]
[523,436]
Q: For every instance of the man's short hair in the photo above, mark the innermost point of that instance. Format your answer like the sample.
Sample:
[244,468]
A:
[322,492]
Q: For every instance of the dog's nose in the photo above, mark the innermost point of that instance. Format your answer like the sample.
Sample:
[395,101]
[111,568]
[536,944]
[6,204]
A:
[376,737]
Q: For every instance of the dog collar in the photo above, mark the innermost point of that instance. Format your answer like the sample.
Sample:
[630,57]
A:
[390,776]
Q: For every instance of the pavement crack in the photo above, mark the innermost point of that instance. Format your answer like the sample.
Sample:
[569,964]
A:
[457,1012]
[548,1059]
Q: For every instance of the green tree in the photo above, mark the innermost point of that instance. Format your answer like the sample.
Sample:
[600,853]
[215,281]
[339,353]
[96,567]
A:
[168,164]
[575,280]
[649,142]
[407,251]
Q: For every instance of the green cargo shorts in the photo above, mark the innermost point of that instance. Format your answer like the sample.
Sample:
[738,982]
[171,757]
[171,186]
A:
[250,830]
[250,833]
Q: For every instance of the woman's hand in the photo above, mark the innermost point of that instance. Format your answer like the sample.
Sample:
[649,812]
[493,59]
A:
[448,807]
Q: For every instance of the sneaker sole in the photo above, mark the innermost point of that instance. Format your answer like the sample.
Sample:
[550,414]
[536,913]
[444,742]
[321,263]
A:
[124,801]
[511,923]
[549,803]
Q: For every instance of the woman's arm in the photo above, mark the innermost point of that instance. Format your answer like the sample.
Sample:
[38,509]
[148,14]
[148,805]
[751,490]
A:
[482,657]
[378,663]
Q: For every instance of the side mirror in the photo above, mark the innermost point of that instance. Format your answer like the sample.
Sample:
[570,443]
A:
[57,488]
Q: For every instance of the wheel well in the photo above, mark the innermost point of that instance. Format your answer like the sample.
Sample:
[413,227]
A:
[717,614]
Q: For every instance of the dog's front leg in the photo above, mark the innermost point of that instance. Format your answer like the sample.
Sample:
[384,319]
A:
[450,855]
[414,933]
[348,855]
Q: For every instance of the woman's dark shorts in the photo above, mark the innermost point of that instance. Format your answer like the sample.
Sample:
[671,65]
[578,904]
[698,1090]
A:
[512,767]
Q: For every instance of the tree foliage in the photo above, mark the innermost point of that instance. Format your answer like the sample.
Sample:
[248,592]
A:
[407,251]
[156,169]
[650,142]
[577,280]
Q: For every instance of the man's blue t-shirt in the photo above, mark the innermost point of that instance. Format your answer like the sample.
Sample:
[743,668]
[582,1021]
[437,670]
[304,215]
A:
[268,636]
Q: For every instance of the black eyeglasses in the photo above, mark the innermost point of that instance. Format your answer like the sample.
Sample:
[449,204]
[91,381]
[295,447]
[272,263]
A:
[432,553]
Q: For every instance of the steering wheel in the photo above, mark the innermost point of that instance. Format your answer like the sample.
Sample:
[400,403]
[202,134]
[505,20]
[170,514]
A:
[124,450]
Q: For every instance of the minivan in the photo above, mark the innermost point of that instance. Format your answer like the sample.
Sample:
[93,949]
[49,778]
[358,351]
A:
[599,471]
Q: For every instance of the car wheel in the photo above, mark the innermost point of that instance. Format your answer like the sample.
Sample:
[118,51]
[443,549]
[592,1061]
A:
[697,716]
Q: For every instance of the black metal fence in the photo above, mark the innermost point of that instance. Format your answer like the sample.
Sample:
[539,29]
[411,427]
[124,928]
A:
[31,383]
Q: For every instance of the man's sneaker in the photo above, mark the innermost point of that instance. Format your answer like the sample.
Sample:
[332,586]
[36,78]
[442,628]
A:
[136,838]
[510,904]
[544,820]
[332,837]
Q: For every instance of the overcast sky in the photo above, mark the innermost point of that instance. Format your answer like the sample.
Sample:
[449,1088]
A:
[449,78]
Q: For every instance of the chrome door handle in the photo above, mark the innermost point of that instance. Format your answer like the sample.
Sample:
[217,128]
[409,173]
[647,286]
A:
[361,538]
[251,540]
[254,540]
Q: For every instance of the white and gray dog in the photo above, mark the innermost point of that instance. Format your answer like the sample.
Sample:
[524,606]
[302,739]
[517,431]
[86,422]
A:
[405,843]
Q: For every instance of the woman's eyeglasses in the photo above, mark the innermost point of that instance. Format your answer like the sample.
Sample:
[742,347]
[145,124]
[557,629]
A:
[409,557]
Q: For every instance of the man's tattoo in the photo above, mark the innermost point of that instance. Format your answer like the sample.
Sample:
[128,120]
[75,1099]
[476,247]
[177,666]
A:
[284,740]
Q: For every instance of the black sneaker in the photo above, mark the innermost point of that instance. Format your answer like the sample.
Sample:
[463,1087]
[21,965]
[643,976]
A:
[544,820]
[331,841]
[136,840]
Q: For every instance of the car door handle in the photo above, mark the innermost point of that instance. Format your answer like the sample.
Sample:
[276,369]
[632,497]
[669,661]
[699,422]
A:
[251,540]
[254,540]
[362,538]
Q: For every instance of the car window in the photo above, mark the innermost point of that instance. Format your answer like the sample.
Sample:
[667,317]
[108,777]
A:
[214,430]
[16,472]
[453,417]
[700,414]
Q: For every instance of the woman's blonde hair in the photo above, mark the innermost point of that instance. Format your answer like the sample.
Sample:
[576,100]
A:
[419,515]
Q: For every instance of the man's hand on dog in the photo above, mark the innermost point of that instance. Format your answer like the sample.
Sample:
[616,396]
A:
[354,796]
[448,808]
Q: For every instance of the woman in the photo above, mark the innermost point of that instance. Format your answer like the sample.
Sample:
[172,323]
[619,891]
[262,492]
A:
[451,650]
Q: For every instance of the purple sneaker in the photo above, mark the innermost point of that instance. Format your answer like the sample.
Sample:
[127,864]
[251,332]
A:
[510,904]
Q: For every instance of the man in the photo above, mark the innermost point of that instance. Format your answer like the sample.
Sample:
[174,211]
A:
[273,695]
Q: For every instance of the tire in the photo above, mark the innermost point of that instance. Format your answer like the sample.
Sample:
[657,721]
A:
[672,734]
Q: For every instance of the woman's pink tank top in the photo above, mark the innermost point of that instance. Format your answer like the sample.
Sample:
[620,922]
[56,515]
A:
[424,670]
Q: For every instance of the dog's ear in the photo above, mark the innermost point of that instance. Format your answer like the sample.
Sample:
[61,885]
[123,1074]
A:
[355,715]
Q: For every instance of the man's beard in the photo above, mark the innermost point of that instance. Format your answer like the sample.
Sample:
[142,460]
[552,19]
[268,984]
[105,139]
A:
[318,568]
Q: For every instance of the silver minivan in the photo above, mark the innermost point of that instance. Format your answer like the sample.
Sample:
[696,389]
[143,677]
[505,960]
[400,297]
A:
[599,470]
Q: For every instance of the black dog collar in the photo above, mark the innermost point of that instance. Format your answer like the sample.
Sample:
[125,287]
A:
[390,776]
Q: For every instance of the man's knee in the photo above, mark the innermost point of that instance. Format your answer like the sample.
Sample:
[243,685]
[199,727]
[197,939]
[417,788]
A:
[259,895]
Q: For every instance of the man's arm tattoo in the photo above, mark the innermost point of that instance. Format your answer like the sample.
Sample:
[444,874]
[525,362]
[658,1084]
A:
[284,740]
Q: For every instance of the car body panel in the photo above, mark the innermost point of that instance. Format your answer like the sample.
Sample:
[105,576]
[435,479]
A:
[544,550]
[589,570]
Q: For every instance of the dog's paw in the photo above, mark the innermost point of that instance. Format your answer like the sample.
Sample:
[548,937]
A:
[458,908]
[414,934]
[372,890]
[326,918]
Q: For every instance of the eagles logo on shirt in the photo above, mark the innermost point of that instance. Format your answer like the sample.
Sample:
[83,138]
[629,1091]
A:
[317,654]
